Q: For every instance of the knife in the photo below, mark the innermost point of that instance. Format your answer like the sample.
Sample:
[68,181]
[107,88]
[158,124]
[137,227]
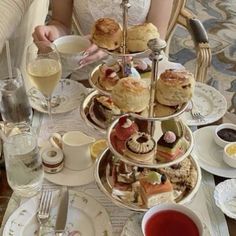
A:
[62,212]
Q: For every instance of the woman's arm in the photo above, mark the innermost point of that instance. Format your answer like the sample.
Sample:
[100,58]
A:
[159,15]
[60,23]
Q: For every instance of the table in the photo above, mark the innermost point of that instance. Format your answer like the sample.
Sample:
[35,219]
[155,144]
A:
[208,187]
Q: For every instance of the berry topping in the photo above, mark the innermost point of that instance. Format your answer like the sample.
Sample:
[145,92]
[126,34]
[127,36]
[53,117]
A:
[163,178]
[109,71]
[122,120]
[169,137]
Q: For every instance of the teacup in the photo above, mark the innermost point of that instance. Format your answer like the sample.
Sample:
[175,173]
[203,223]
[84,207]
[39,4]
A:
[76,149]
[172,219]
[71,49]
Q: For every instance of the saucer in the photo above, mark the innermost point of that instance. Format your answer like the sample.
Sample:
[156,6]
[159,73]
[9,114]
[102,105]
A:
[209,155]
[72,178]
[66,97]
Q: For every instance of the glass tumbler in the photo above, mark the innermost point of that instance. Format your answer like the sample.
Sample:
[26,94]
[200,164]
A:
[23,163]
[14,102]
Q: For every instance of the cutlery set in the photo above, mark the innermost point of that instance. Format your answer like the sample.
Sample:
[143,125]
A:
[45,204]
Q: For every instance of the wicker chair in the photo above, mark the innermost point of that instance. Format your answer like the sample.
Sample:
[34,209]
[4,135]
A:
[182,16]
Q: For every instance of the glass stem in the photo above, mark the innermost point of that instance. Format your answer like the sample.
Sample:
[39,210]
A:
[49,104]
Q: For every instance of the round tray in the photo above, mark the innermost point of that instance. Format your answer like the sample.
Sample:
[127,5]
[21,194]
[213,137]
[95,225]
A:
[84,111]
[116,53]
[93,81]
[158,132]
[101,173]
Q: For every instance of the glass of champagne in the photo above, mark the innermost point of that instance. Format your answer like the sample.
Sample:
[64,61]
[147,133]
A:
[44,69]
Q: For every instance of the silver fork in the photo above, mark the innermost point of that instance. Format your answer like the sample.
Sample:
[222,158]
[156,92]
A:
[44,209]
[196,113]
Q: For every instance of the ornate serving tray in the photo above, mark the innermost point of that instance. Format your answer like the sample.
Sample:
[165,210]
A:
[106,185]
[114,144]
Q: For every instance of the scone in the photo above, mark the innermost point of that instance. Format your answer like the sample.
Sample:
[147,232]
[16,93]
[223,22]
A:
[107,33]
[139,35]
[131,95]
[174,87]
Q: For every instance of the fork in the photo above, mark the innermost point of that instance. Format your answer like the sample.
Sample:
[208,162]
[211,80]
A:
[44,208]
[196,113]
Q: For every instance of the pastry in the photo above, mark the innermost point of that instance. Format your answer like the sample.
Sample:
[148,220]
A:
[122,131]
[183,175]
[139,35]
[173,125]
[131,95]
[169,147]
[174,87]
[155,189]
[109,75]
[102,110]
[140,147]
[107,33]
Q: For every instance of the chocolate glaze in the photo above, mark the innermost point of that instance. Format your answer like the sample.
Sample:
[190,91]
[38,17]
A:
[163,143]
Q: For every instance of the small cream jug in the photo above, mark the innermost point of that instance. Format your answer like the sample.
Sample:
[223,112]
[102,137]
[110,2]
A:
[76,148]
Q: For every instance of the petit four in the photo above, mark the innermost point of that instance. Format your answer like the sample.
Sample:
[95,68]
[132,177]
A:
[140,147]
[155,189]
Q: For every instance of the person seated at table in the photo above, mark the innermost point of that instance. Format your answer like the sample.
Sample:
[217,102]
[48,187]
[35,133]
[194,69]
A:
[88,11]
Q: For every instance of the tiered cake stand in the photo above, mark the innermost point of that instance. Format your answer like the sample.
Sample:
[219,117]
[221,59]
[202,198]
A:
[153,127]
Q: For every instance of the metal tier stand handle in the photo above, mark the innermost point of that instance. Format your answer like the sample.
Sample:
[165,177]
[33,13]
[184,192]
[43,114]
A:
[156,45]
[126,69]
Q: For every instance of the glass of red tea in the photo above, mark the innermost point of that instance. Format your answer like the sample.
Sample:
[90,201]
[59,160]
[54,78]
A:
[171,219]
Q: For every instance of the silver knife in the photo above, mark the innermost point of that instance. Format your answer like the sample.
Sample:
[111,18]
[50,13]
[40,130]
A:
[62,212]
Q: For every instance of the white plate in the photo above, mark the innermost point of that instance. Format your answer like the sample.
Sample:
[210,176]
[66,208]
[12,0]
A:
[70,94]
[85,215]
[210,103]
[133,227]
[209,155]
[71,178]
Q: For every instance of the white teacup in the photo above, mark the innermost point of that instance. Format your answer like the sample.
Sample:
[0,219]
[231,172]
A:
[170,208]
[75,146]
[71,49]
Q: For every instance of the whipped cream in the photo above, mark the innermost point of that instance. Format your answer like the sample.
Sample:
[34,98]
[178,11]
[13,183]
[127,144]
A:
[127,124]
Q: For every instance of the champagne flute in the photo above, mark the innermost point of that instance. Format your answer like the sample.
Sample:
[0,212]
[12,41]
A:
[44,69]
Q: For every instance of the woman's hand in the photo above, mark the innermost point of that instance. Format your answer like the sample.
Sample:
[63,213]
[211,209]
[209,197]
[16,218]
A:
[49,32]
[92,54]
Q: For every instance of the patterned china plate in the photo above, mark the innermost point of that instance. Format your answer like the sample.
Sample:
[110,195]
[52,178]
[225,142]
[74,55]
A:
[86,216]
[67,96]
[210,103]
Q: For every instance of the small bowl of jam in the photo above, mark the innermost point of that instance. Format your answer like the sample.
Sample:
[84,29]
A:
[229,156]
[225,134]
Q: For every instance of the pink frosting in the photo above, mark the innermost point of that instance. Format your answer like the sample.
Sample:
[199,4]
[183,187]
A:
[169,137]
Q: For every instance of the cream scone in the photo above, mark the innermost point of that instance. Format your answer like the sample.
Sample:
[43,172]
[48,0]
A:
[139,35]
[174,87]
[140,147]
[131,95]
[107,33]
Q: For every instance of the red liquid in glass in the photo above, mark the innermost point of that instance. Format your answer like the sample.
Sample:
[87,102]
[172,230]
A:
[170,223]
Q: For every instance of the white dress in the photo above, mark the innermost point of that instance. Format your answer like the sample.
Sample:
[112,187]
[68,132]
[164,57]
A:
[88,11]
